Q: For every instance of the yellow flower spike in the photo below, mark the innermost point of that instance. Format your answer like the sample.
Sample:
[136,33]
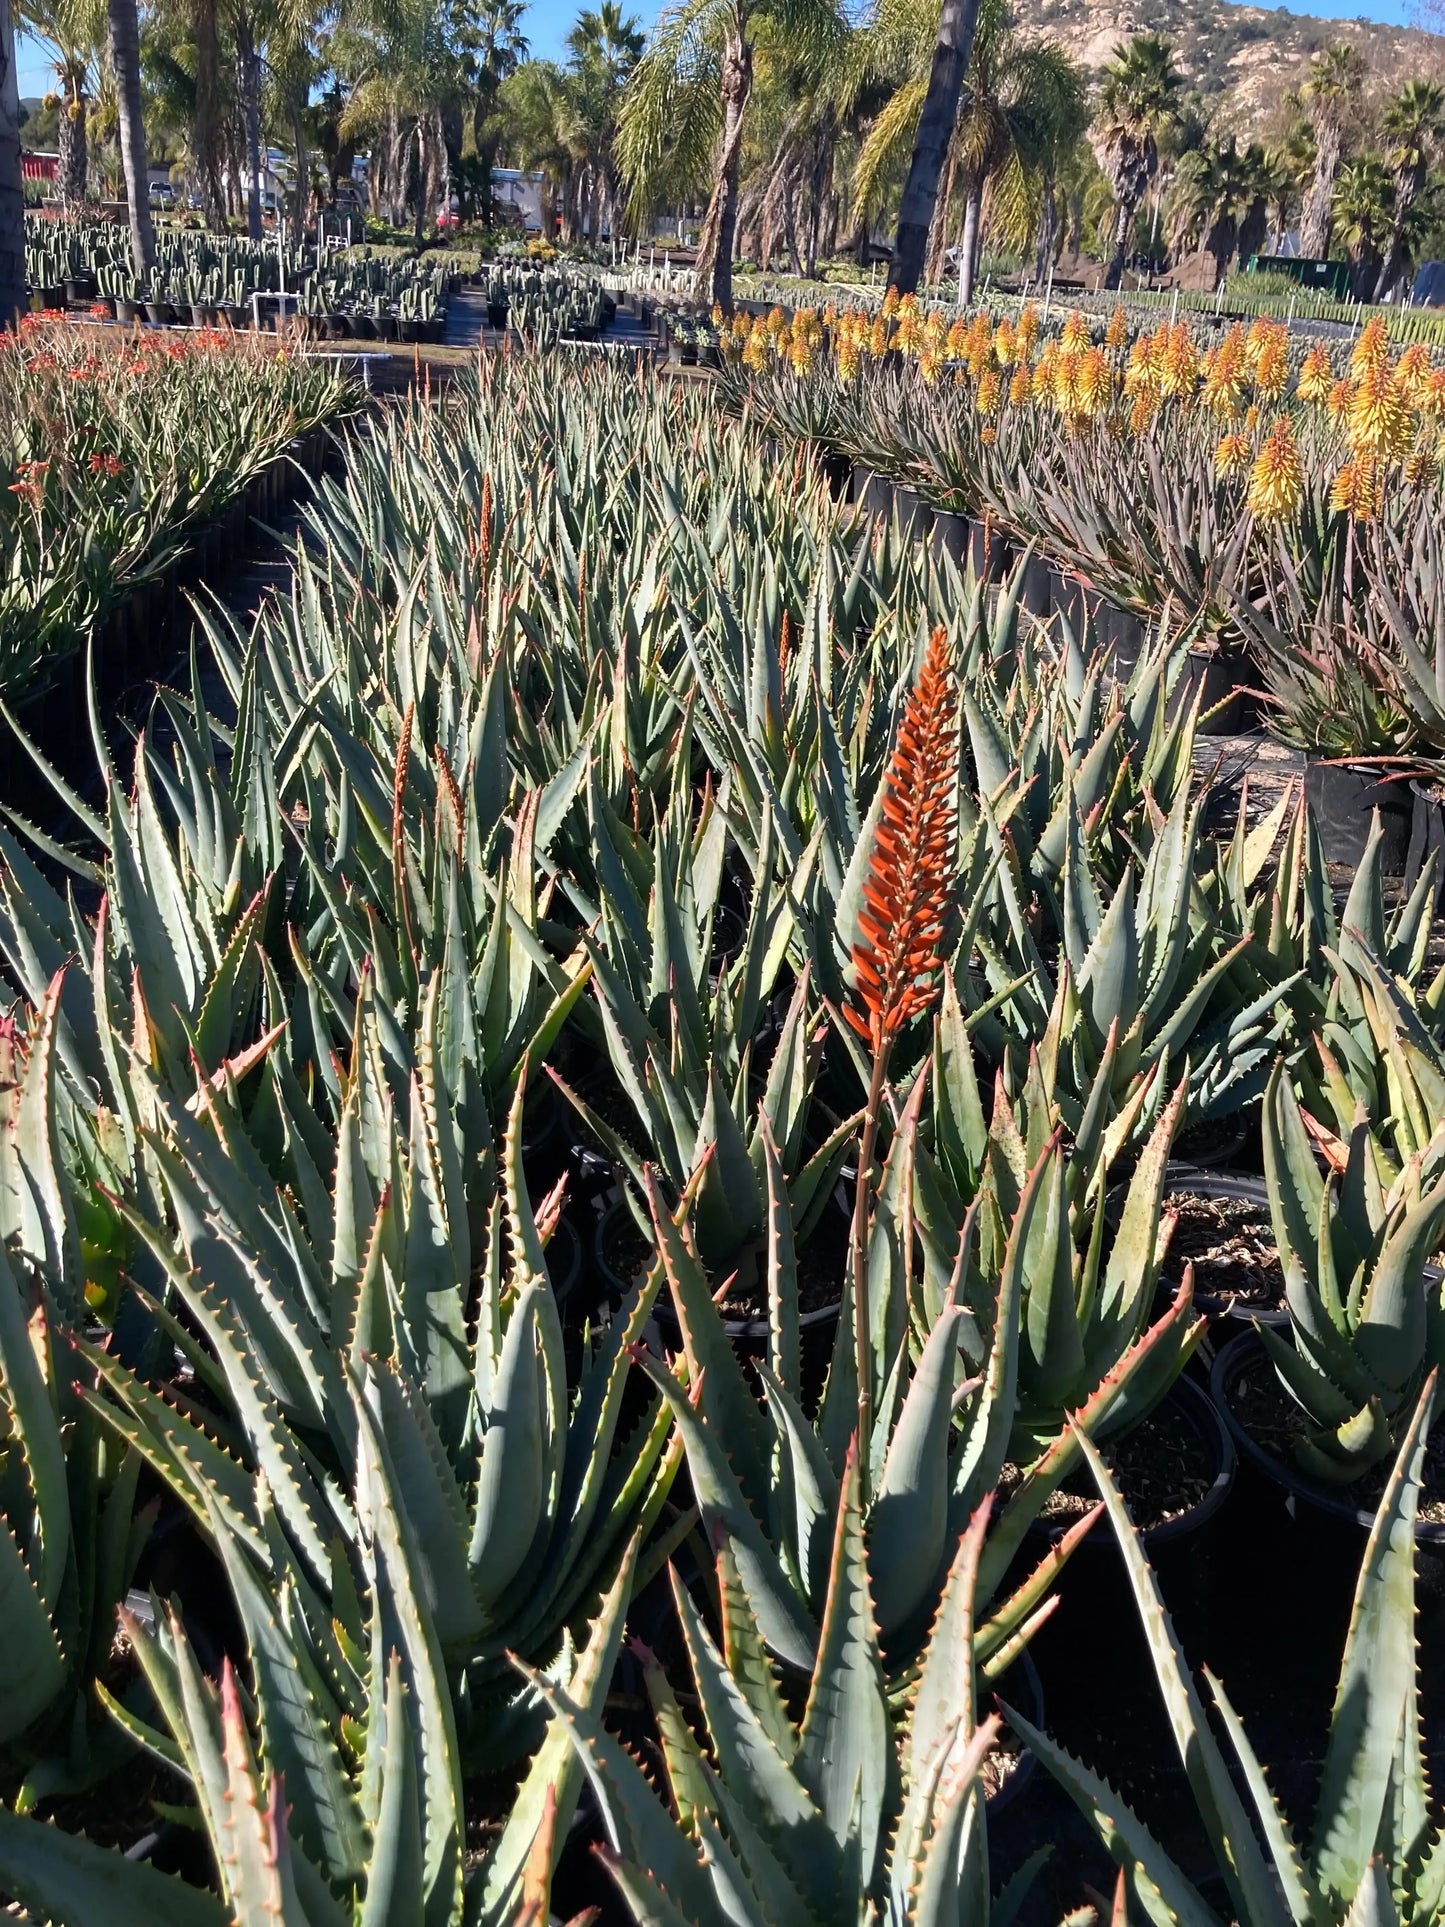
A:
[1357,490]
[1224,375]
[890,304]
[1412,372]
[1378,423]
[1316,378]
[957,337]
[1232,455]
[1423,465]
[1095,382]
[1142,413]
[1117,332]
[1020,384]
[1340,398]
[1179,372]
[1432,393]
[1372,349]
[1271,368]
[1075,333]
[1028,326]
[1005,344]
[988,392]
[1276,481]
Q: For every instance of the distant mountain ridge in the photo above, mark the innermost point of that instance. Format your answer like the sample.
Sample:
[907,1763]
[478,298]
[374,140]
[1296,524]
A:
[1243,59]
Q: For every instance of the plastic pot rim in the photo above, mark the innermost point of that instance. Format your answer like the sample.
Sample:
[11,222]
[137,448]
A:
[1427,1531]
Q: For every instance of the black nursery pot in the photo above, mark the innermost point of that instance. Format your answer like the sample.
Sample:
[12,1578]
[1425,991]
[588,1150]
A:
[872,492]
[1343,797]
[1036,592]
[1190,1402]
[749,1336]
[837,469]
[1427,836]
[990,550]
[1237,1355]
[1225,1184]
[950,535]
[1120,633]
[914,514]
[1021,1687]
[1222,683]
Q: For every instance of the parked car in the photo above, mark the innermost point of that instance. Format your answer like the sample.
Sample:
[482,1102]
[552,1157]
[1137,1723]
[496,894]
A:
[162,194]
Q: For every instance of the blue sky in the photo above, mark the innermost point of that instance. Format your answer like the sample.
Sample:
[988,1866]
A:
[549,20]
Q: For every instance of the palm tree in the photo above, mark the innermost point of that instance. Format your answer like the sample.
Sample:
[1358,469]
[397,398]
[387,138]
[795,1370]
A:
[1413,125]
[604,46]
[1329,97]
[1050,126]
[688,96]
[12,197]
[1023,97]
[532,107]
[952,51]
[125,65]
[1138,101]
[204,148]
[490,47]
[72,32]
[1364,213]
[1220,202]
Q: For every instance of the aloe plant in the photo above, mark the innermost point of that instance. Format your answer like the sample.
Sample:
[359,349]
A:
[849,1813]
[338,1801]
[1372,1850]
[500,1469]
[1367,1321]
[71,1531]
[112,463]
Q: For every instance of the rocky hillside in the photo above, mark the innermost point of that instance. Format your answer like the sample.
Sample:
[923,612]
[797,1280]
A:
[1242,59]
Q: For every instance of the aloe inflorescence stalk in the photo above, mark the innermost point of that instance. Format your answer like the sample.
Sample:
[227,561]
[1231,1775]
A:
[907,895]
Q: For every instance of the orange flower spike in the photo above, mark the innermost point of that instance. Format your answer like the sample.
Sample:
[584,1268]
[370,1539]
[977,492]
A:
[908,891]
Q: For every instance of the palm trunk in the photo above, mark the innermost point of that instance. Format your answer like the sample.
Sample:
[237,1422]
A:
[208,86]
[250,66]
[303,169]
[930,147]
[125,65]
[1119,247]
[71,168]
[421,171]
[790,221]
[1048,229]
[1393,262]
[1314,227]
[1408,185]
[12,198]
[938,227]
[713,275]
[968,247]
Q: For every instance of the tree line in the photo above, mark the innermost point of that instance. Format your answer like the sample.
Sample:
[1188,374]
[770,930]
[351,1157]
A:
[789,130]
